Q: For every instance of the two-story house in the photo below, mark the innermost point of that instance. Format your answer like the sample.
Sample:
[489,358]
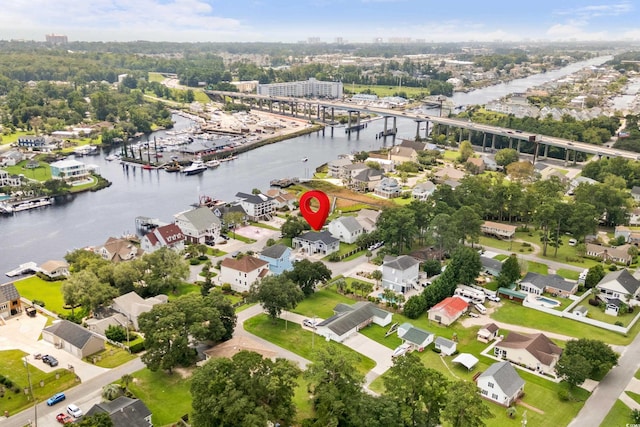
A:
[619,285]
[168,235]
[501,384]
[278,257]
[199,225]
[257,206]
[242,273]
[316,242]
[388,188]
[10,304]
[400,273]
[423,190]
[69,170]
[347,229]
[117,249]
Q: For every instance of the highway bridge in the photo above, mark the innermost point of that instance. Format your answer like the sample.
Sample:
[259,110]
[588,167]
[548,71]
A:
[321,108]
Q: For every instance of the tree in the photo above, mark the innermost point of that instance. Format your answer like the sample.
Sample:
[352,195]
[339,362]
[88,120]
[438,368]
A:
[205,288]
[275,294]
[116,333]
[164,270]
[520,171]
[464,265]
[573,368]
[111,391]
[100,419]
[377,276]
[307,275]
[246,390]
[444,232]
[466,151]
[464,407]
[510,272]
[419,392]
[84,288]
[231,220]
[594,275]
[396,226]
[414,307]
[467,222]
[600,356]
[506,156]
[432,267]
[293,226]
[125,380]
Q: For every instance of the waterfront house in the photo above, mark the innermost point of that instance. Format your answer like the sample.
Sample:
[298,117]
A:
[400,273]
[54,269]
[366,180]
[501,384]
[257,206]
[417,338]
[124,412]
[282,199]
[349,319]
[488,333]
[446,346]
[278,257]
[131,305]
[73,338]
[535,352]
[336,167]
[7,180]
[423,190]
[243,272]
[352,170]
[619,285]
[10,303]
[347,229]
[69,170]
[11,158]
[388,188]
[199,225]
[118,249]
[169,236]
[401,154]
[32,142]
[501,231]
[448,310]
[316,242]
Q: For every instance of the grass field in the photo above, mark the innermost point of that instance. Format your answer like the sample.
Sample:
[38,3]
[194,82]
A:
[619,415]
[321,303]
[383,91]
[35,288]
[536,267]
[110,357]
[167,396]
[41,173]
[568,274]
[597,313]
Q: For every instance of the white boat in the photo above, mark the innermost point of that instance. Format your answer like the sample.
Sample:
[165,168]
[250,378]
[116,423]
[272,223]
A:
[196,167]
[304,159]
[212,163]
[112,157]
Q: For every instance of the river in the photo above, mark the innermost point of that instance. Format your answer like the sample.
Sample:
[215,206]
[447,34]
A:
[90,218]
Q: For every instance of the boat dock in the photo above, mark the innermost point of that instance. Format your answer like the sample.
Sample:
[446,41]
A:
[285,182]
[27,267]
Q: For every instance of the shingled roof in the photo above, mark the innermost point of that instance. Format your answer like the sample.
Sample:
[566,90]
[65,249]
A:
[74,334]
[348,317]
[123,411]
[505,376]
[245,264]
[8,293]
[274,252]
[540,347]
[401,262]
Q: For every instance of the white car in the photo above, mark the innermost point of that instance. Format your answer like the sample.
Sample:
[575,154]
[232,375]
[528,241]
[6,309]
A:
[310,323]
[493,298]
[401,350]
[74,411]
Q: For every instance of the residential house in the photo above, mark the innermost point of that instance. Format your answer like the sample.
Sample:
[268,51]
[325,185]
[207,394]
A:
[575,182]
[118,249]
[491,266]
[257,206]
[400,154]
[11,158]
[368,218]
[388,188]
[488,332]
[423,190]
[446,347]
[620,285]
[279,258]
[400,273]
[630,236]
[475,165]
[73,338]
[316,242]
[282,199]
[69,170]
[124,412]
[131,305]
[7,180]
[448,310]
[490,163]
[417,338]
[199,225]
[501,383]
[347,229]
[537,284]
[349,319]
[535,352]
[336,167]
[32,142]
[618,254]
[415,145]
[54,269]
[169,236]
[448,173]
[242,273]
[10,303]
[366,180]
[221,211]
[635,193]
[352,170]
[501,231]
[634,217]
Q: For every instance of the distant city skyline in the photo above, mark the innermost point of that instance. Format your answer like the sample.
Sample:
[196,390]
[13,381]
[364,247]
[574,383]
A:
[360,21]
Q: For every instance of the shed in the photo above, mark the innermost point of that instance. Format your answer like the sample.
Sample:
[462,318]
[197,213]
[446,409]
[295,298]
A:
[446,347]
[511,294]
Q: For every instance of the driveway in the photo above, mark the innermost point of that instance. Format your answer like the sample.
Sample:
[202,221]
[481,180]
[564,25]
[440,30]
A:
[373,350]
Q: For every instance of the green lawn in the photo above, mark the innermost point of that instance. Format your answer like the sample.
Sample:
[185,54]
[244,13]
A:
[41,173]
[634,396]
[568,274]
[110,357]
[13,137]
[385,90]
[518,315]
[597,313]
[167,396]
[501,257]
[44,384]
[34,287]
[537,267]
[242,238]
[292,337]
[637,375]
[184,289]
[155,77]
[321,303]
[263,225]
[619,415]
[215,252]
[505,245]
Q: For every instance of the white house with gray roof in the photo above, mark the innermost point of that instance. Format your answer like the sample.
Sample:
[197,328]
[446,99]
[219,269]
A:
[619,285]
[423,190]
[349,319]
[73,338]
[446,346]
[501,384]
[347,229]
[400,273]
[316,242]
[199,225]
[536,284]
[257,206]
[417,338]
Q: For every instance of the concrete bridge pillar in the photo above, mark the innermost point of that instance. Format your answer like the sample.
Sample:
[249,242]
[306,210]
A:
[349,119]
[566,157]
[426,130]
[484,141]
[417,130]
[319,112]
[546,151]
[510,143]
[460,136]
[493,142]
[384,133]
[518,146]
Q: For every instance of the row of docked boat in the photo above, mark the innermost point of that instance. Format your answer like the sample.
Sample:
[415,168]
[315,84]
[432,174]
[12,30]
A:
[23,205]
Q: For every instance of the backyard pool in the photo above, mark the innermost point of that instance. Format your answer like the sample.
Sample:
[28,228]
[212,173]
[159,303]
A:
[548,301]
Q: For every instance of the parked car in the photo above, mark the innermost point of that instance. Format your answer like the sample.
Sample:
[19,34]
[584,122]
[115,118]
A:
[74,411]
[310,323]
[50,360]
[401,350]
[56,398]
[64,418]
[474,315]
[493,298]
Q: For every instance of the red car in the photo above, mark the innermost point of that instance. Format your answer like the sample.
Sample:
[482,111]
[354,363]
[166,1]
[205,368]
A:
[64,418]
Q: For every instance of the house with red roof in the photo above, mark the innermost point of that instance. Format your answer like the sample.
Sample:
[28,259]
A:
[168,235]
[448,310]
[241,273]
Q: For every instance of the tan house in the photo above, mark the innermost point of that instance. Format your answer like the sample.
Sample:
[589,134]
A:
[117,249]
[448,310]
[73,338]
[10,304]
[618,255]
[448,173]
[242,273]
[475,165]
[535,352]
[488,332]
[400,154]
[54,268]
[501,231]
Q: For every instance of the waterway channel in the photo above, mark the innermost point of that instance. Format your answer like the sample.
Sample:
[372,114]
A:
[90,218]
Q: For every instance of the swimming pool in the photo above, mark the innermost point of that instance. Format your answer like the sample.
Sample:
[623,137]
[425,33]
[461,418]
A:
[548,301]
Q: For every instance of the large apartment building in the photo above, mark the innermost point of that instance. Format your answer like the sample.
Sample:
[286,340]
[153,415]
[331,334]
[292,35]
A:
[311,87]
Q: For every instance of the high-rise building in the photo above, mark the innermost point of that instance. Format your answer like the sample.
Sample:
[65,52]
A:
[56,39]
[311,87]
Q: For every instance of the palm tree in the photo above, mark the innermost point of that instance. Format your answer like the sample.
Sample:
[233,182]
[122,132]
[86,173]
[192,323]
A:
[126,379]
[111,391]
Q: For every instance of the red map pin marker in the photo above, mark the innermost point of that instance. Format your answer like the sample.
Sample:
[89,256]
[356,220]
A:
[317,218]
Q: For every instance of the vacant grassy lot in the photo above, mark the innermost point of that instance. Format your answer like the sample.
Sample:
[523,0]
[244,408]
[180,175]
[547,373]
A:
[34,287]
[167,396]
[12,367]
[383,91]
[321,303]
[110,357]
[536,267]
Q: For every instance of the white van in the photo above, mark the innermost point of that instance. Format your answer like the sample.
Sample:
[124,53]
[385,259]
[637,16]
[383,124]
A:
[481,308]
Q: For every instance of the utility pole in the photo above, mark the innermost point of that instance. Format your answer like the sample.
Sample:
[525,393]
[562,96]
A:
[35,404]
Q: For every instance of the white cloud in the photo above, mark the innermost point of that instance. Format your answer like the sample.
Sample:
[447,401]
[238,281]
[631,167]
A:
[593,11]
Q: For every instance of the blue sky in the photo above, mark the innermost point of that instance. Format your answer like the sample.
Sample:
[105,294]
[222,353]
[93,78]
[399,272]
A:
[296,20]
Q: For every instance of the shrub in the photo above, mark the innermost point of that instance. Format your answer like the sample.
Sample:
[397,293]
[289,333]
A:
[613,267]
[594,302]
[116,333]
[194,261]
[137,347]
[619,323]
[226,288]
[564,395]
[38,302]
[436,350]
[334,257]
[203,257]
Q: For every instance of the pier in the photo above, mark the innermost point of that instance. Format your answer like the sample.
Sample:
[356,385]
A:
[27,267]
